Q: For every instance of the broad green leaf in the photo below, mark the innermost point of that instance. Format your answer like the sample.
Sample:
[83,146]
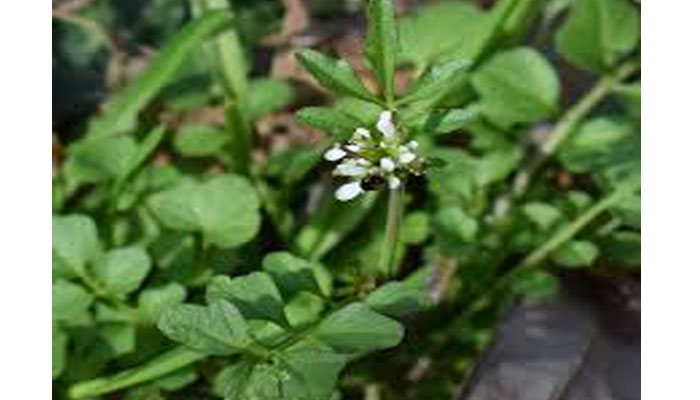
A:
[75,242]
[624,247]
[99,159]
[435,81]
[154,301]
[231,381]
[59,344]
[120,337]
[631,98]
[381,44]
[200,140]
[69,301]
[122,114]
[497,165]
[597,144]
[450,120]
[415,228]
[443,30]
[397,299]
[224,208]
[268,95]
[336,75]
[316,367]
[304,308]
[542,214]
[517,86]
[255,295]
[455,225]
[598,33]
[535,285]
[357,329]
[121,271]
[578,200]
[330,120]
[218,328]
[364,111]
[293,274]
[629,209]
[454,184]
[305,372]
[576,254]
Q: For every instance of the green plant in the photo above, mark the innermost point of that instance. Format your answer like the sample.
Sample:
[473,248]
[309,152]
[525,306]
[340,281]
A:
[467,189]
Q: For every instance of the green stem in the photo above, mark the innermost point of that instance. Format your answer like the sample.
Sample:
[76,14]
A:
[168,362]
[537,256]
[386,262]
[569,121]
[568,232]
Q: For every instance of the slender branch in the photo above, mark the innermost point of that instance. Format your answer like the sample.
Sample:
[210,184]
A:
[563,235]
[537,256]
[563,129]
[90,26]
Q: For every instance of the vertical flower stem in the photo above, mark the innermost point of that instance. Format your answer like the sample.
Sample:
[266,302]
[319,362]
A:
[393,218]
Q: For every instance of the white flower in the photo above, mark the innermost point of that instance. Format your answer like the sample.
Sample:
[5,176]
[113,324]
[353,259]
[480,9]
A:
[387,164]
[361,134]
[351,168]
[335,153]
[368,158]
[406,155]
[353,147]
[394,182]
[386,126]
[349,191]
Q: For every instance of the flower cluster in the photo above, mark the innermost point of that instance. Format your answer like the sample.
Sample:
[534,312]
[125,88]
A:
[372,160]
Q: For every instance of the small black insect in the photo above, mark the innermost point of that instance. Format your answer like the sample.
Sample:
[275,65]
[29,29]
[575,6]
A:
[373,182]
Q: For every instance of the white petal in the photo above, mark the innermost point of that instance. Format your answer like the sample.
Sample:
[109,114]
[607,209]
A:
[361,134]
[412,145]
[353,147]
[350,168]
[385,125]
[349,191]
[394,182]
[406,156]
[387,164]
[335,153]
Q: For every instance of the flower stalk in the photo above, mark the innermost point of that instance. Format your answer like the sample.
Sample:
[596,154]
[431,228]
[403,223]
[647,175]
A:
[387,262]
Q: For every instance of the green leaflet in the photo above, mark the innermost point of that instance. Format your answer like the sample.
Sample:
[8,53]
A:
[598,33]
[576,254]
[336,75]
[121,271]
[218,328]
[224,208]
[75,242]
[517,85]
[381,45]
[357,329]
[255,295]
